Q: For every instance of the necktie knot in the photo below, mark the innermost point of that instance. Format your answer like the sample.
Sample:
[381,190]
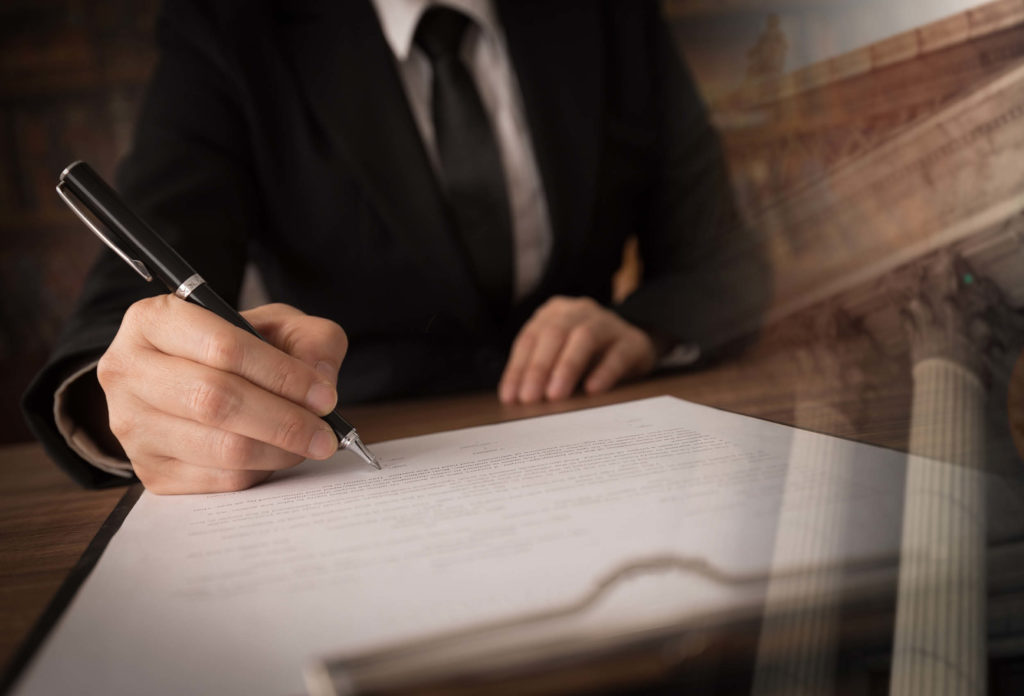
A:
[440,31]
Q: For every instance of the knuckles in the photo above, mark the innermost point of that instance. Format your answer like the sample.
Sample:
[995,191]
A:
[212,402]
[329,339]
[586,334]
[333,336]
[135,317]
[236,450]
[110,368]
[145,311]
[563,309]
[290,433]
[223,350]
[282,377]
[122,421]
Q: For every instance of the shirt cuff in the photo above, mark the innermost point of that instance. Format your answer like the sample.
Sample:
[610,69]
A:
[680,355]
[78,439]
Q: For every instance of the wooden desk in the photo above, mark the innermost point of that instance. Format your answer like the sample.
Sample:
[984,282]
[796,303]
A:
[46,521]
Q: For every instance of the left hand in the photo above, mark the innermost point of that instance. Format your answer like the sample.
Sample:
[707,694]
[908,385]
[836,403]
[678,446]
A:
[567,338]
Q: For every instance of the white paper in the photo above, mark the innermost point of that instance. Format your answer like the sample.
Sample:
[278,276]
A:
[238,592]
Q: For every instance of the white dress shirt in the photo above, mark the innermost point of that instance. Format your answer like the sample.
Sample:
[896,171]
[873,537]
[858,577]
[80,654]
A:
[486,56]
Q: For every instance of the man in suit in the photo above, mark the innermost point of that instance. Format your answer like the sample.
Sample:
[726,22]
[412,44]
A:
[453,186]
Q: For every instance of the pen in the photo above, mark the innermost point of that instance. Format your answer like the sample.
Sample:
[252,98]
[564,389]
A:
[149,255]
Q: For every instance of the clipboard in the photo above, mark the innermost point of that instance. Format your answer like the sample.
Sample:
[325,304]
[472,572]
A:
[545,654]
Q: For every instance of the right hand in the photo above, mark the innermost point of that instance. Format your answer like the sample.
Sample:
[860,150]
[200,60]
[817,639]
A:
[201,406]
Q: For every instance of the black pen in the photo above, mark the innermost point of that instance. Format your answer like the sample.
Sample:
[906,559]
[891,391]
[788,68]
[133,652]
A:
[149,255]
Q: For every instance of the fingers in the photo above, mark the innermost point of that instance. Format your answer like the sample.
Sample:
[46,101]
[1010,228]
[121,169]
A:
[174,477]
[541,345]
[625,358]
[519,358]
[546,349]
[160,438]
[566,339]
[216,458]
[211,341]
[585,342]
[222,400]
[200,405]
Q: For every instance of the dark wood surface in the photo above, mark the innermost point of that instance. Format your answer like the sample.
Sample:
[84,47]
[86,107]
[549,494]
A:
[46,521]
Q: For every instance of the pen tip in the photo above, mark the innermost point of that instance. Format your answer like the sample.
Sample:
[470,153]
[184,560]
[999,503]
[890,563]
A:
[364,452]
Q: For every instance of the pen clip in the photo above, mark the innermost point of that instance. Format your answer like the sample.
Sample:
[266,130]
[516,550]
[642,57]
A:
[137,265]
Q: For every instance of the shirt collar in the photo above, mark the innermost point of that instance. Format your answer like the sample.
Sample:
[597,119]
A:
[399,18]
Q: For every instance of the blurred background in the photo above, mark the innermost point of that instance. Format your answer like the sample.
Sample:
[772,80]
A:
[71,77]
[876,145]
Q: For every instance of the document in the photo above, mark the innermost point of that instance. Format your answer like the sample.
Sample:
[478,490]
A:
[239,592]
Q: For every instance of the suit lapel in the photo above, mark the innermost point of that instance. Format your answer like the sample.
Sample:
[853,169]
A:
[557,51]
[350,79]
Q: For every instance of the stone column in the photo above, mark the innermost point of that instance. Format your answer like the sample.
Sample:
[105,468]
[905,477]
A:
[940,636]
[800,629]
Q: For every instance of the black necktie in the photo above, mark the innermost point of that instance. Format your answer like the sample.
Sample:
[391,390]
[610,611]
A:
[471,171]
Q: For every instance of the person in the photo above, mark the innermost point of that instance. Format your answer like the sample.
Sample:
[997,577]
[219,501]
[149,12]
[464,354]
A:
[314,140]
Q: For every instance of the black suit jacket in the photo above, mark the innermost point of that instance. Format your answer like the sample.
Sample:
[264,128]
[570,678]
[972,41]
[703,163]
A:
[279,133]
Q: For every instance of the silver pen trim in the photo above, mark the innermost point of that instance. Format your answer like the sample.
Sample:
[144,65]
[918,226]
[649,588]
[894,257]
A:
[139,267]
[351,441]
[188,286]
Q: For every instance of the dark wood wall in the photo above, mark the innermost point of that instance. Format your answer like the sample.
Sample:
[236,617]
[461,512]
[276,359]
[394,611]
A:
[71,75]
